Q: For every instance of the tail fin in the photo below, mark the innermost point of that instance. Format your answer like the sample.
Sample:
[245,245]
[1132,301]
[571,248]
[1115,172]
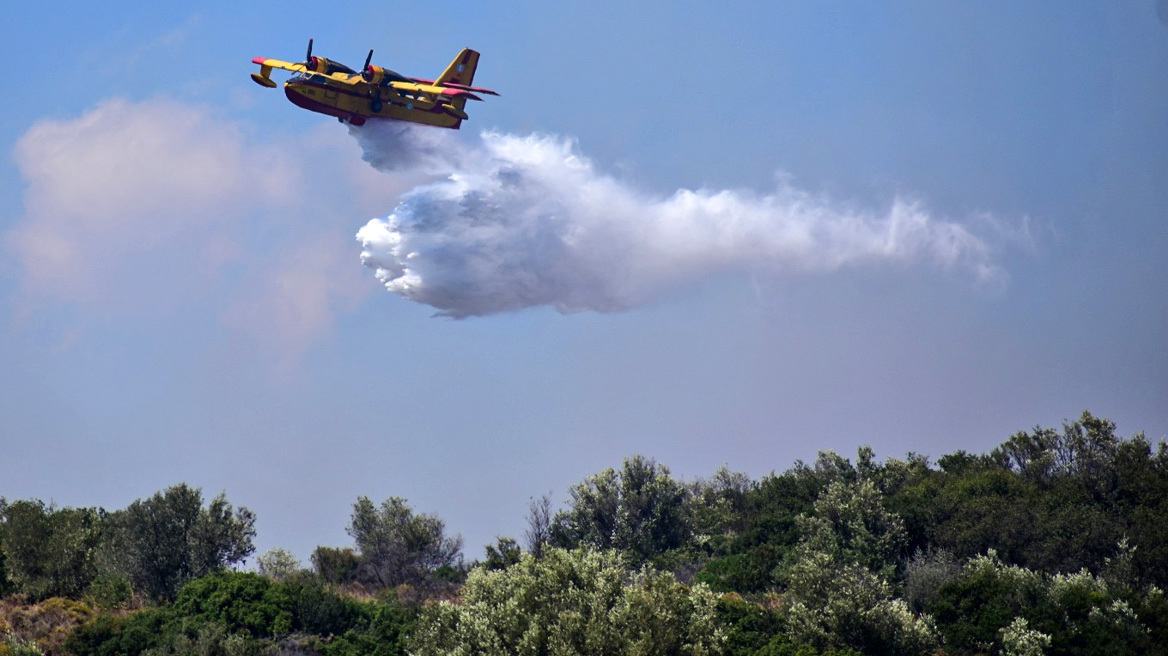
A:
[461,70]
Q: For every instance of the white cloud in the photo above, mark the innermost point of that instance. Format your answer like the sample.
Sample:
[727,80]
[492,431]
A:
[126,179]
[139,208]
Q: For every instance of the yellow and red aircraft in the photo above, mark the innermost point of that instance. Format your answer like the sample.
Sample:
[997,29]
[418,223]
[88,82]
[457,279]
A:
[332,88]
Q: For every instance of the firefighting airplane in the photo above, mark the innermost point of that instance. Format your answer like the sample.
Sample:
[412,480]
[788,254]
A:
[329,87]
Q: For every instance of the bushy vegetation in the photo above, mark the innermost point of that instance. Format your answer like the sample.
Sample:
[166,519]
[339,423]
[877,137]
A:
[572,602]
[40,628]
[155,544]
[244,613]
[1056,542]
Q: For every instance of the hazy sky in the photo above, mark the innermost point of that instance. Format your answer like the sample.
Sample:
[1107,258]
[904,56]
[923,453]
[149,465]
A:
[182,296]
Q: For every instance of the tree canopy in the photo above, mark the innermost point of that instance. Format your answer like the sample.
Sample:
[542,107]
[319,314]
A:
[398,547]
[1055,542]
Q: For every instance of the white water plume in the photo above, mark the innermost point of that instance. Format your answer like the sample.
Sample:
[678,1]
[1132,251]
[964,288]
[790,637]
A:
[523,221]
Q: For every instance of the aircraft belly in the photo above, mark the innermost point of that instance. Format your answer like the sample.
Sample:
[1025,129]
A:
[346,105]
[418,116]
[313,100]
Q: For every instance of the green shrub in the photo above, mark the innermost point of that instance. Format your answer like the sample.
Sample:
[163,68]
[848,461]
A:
[320,611]
[336,566]
[111,635]
[239,602]
[210,640]
[111,591]
[244,614]
[384,630]
[748,626]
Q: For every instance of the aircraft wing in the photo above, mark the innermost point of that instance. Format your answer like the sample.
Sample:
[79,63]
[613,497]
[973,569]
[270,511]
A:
[266,65]
[269,64]
[276,63]
[452,85]
[449,92]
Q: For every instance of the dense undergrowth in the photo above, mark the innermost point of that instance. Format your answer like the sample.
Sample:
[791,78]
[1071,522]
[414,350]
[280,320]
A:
[1056,542]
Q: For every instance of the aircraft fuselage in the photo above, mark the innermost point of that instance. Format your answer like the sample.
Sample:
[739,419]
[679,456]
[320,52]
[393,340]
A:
[320,94]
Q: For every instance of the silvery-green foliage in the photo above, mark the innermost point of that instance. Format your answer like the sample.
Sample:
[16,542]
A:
[1119,615]
[1083,608]
[924,575]
[1022,583]
[836,606]
[1116,615]
[838,585]
[1119,570]
[278,564]
[1018,639]
[717,504]
[571,602]
[851,524]
[1063,586]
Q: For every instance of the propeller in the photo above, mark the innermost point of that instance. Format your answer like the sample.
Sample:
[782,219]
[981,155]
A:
[309,60]
[367,70]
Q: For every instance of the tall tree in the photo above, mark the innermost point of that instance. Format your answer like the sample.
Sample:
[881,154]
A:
[539,524]
[397,546]
[162,542]
[641,510]
[49,551]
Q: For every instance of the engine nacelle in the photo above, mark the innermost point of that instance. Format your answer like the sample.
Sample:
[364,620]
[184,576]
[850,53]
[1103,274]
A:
[319,65]
[326,66]
[379,76]
[373,74]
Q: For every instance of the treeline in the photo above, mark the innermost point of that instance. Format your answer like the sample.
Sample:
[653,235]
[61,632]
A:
[152,547]
[1056,542]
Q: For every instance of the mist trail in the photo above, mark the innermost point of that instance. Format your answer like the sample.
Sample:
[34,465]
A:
[522,221]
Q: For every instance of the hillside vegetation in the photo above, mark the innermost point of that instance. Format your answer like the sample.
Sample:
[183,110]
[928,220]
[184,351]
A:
[1055,542]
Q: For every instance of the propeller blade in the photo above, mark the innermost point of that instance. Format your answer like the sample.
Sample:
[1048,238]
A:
[308,57]
[368,59]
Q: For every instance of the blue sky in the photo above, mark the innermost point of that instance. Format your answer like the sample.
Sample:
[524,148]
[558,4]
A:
[192,307]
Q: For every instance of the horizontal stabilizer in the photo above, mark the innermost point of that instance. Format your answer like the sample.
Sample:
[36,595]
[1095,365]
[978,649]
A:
[453,85]
[459,93]
[478,89]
